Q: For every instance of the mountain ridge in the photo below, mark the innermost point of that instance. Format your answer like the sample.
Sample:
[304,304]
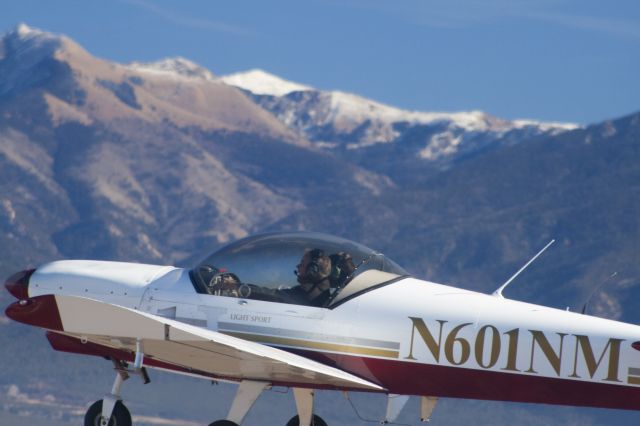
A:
[321,115]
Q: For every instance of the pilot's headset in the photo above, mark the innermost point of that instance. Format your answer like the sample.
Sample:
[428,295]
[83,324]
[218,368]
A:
[318,267]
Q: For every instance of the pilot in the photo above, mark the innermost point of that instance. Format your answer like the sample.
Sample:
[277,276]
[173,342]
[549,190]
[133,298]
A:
[313,272]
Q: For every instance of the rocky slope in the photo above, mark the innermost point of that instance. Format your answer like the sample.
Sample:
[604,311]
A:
[152,161]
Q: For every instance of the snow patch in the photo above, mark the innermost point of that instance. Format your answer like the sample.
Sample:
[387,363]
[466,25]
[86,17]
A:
[24,32]
[441,145]
[260,82]
[23,48]
[25,38]
[544,126]
[173,67]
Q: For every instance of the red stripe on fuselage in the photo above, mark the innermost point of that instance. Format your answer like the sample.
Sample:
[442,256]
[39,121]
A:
[412,378]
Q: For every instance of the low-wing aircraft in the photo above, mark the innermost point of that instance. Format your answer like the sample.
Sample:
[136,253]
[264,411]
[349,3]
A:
[311,311]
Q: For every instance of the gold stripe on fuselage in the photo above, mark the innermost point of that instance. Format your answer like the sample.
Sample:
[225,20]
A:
[307,344]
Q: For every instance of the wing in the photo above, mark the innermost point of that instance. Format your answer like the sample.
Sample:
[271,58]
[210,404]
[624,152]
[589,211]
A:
[181,345]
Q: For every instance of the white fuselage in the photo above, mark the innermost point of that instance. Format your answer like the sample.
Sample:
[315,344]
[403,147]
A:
[410,336]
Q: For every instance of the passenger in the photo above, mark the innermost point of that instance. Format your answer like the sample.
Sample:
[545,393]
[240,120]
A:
[313,272]
[342,269]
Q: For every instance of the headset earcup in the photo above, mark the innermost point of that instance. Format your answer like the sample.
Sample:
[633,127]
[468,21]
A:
[313,269]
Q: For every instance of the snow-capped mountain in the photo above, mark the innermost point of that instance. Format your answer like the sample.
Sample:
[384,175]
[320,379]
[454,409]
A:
[262,83]
[342,121]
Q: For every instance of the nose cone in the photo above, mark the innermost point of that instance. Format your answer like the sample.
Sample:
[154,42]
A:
[40,311]
[18,284]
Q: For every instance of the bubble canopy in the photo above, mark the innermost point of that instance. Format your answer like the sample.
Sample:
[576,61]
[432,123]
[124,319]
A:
[267,267]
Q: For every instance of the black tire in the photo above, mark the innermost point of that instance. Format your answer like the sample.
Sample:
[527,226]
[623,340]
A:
[315,421]
[223,423]
[119,417]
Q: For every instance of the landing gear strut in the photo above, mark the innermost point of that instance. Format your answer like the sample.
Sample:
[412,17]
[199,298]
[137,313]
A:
[110,411]
[395,404]
[304,404]
[247,394]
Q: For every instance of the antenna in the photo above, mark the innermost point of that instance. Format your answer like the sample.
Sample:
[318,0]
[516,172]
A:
[498,292]
[584,307]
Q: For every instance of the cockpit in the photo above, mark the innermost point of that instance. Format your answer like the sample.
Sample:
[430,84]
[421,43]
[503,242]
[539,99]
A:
[300,268]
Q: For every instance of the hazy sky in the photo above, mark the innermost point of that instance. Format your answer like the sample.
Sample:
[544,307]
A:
[561,60]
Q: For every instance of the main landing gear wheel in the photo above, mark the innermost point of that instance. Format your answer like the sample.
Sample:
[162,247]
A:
[120,416]
[315,421]
[223,423]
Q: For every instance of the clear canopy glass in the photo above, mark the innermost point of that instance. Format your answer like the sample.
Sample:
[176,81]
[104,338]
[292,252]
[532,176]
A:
[268,267]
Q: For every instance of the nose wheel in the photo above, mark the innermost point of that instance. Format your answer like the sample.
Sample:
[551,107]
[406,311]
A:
[110,411]
[119,417]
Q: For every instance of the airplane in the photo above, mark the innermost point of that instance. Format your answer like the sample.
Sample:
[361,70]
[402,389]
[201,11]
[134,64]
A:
[310,311]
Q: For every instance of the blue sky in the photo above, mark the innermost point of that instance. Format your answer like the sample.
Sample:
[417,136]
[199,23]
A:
[560,60]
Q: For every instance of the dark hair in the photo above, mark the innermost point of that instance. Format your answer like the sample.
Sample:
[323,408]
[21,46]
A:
[318,266]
